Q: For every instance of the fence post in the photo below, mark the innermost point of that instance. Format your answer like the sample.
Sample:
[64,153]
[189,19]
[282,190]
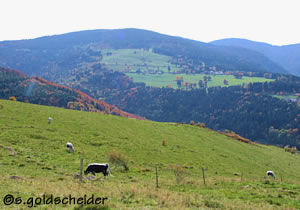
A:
[156,177]
[81,168]
[203,175]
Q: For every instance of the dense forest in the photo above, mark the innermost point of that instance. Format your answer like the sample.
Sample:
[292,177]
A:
[15,85]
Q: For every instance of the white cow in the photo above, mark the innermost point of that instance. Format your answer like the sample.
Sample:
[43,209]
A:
[70,146]
[271,173]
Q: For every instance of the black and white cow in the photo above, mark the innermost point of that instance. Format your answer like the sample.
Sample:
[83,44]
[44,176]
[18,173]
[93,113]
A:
[271,173]
[97,168]
[70,146]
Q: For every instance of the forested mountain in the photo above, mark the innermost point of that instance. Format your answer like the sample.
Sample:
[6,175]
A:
[288,56]
[60,54]
[15,85]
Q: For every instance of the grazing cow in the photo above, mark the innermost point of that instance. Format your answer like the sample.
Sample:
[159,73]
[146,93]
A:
[70,146]
[98,168]
[271,173]
[49,120]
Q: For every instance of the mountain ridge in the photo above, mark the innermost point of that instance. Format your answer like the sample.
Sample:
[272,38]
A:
[287,56]
[37,56]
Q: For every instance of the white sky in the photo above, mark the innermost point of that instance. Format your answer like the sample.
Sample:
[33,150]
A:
[273,21]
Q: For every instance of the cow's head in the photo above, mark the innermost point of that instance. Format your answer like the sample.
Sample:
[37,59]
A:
[86,172]
[106,171]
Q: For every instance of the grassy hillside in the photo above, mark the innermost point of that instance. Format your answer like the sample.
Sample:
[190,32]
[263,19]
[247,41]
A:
[132,60]
[34,162]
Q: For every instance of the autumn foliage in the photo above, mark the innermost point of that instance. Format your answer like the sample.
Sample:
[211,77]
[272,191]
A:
[238,137]
[40,91]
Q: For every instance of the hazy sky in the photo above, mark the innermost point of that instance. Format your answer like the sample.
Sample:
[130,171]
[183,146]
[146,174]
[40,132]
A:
[272,21]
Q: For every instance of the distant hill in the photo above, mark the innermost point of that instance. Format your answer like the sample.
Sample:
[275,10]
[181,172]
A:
[288,56]
[60,54]
[37,90]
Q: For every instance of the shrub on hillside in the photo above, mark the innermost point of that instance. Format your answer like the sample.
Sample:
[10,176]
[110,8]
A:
[292,150]
[286,148]
[201,125]
[179,173]
[119,159]
[12,98]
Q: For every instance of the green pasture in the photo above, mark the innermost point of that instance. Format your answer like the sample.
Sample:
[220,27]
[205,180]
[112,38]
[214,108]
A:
[285,96]
[34,162]
[131,60]
[170,79]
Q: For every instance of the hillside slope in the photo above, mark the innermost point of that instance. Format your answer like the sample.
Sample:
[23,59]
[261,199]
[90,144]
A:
[61,53]
[288,56]
[34,161]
